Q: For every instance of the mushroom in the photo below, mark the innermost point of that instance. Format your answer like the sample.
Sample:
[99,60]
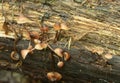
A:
[57,28]
[66,56]
[108,56]
[59,52]
[4,24]
[41,46]
[60,64]
[37,41]
[14,55]
[38,46]
[34,35]
[54,76]
[24,53]
[5,27]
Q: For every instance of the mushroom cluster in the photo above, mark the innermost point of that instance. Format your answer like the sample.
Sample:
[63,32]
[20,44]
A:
[38,40]
[39,43]
[59,53]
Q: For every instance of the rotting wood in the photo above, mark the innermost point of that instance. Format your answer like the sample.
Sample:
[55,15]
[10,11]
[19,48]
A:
[82,63]
[87,27]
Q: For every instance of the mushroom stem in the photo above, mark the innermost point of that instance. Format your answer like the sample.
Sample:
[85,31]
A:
[57,35]
[52,61]
[5,27]
[53,51]
[50,48]
[56,57]
[32,49]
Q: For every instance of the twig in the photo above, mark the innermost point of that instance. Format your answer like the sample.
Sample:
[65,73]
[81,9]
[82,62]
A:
[69,43]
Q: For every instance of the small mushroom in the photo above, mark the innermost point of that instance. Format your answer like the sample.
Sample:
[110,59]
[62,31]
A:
[66,56]
[57,26]
[54,76]
[98,51]
[37,41]
[51,76]
[44,45]
[14,55]
[40,46]
[60,64]
[108,56]
[24,53]
[59,52]
[58,76]
[5,27]
[34,35]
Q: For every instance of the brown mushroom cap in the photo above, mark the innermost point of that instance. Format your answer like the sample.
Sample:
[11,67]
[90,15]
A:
[60,64]
[41,46]
[66,56]
[54,76]
[24,53]
[34,35]
[44,28]
[14,55]
[57,26]
[59,52]
[108,56]
[38,46]
[37,41]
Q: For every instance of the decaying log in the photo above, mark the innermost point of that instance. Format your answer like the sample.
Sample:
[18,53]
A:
[97,29]
[83,65]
